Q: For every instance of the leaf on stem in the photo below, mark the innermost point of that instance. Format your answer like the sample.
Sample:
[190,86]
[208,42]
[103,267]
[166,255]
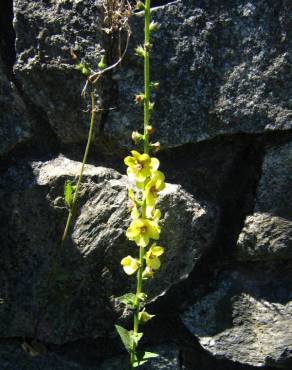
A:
[68,193]
[129,339]
[128,299]
[143,357]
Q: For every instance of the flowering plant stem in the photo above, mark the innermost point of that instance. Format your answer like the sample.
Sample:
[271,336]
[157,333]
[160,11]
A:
[72,206]
[146,151]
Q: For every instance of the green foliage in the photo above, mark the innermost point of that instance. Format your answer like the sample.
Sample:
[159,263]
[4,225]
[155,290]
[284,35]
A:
[129,299]
[142,357]
[129,338]
[68,193]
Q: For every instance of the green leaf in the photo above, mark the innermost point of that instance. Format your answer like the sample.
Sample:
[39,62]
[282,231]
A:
[148,355]
[143,357]
[129,338]
[125,337]
[68,193]
[128,299]
[136,337]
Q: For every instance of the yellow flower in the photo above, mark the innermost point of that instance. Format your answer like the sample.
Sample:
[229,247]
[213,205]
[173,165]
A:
[130,265]
[152,256]
[142,230]
[132,205]
[141,165]
[152,188]
[153,213]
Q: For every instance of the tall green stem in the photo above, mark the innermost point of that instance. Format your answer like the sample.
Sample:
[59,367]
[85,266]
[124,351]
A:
[146,151]
[76,191]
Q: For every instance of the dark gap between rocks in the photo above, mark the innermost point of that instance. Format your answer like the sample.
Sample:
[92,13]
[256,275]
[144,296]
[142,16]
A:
[7,34]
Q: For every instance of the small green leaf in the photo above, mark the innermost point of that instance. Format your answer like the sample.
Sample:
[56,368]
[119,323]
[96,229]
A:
[102,64]
[128,299]
[136,337]
[143,357]
[125,337]
[148,355]
[68,193]
[129,338]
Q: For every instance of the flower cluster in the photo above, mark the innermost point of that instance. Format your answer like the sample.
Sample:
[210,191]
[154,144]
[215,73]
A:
[144,228]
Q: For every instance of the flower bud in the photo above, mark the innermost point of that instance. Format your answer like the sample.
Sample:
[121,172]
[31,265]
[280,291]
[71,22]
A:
[137,137]
[140,51]
[147,46]
[153,27]
[139,98]
[102,64]
[149,130]
[148,273]
[155,146]
[139,5]
[155,85]
[144,317]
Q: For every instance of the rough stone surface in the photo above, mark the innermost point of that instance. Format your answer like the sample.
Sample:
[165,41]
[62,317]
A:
[224,68]
[247,318]
[34,211]
[15,126]
[12,356]
[46,31]
[267,234]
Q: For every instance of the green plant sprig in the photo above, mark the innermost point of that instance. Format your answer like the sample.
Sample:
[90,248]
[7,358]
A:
[143,169]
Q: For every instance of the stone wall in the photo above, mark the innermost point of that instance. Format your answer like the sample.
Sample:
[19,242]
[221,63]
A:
[223,297]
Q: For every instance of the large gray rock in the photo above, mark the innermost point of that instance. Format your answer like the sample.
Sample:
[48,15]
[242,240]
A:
[224,68]
[45,34]
[247,318]
[267,233]
[77,302]
[15,126]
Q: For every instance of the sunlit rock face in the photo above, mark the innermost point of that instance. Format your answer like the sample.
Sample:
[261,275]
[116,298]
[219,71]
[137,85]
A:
[222,297]
[247,318]
[90,274]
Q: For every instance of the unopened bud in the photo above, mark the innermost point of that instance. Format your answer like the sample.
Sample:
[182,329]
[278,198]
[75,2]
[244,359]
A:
[151,106]
[139,98]
[137,137]
[153,27]
[149,130]
[148,273]
[144,317]
[155,85]
[139,5]
[140,51]
[155,147]
[148,46]
[102,64]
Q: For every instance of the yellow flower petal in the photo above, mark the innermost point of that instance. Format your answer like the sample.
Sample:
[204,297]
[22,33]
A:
[130,161]
[156,250]
[154,163]
[130,265]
